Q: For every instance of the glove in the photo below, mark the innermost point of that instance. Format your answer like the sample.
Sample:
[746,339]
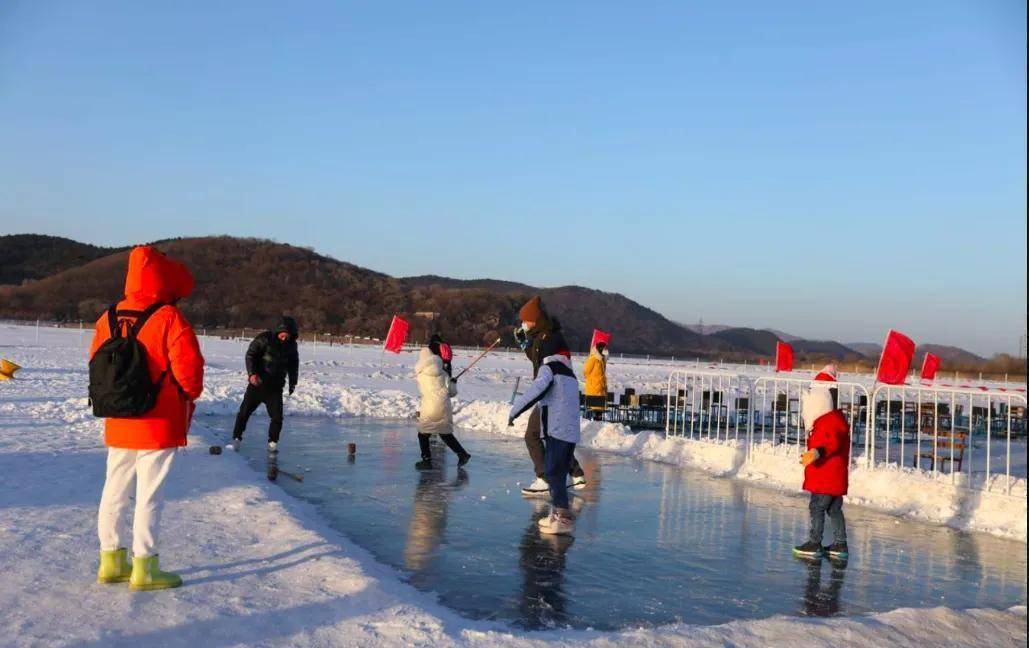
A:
[510,422]
[810,457]
[292,388]
[255,380]
[453,380]
[521,338]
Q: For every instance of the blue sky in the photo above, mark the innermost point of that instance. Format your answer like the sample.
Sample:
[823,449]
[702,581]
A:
[829,169]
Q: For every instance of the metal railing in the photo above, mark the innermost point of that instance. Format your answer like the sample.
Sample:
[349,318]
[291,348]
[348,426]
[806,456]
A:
[956,431]
[777,417]
[976,436]
[707,405]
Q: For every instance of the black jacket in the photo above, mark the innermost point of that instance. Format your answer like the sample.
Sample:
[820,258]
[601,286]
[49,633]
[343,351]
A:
[273,360]
[545,340]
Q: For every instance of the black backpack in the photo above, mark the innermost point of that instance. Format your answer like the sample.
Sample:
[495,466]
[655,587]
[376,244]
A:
[119,382]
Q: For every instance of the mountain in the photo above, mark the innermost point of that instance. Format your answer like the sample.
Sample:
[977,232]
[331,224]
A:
[705,329]
[250,282]
[762,342]
[34,256]
[951,356]
[711,329]
[867,349]
[637,328]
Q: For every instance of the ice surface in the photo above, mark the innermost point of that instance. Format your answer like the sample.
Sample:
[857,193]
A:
[655,544]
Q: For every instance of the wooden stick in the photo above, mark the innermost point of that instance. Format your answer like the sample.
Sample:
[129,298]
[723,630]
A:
[481,356]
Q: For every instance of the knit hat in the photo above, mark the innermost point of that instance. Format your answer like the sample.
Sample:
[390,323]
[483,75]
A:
[828,373]
[532,311]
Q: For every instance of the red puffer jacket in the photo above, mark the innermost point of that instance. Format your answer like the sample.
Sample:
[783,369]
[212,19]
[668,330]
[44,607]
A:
[170,345]
[830,435]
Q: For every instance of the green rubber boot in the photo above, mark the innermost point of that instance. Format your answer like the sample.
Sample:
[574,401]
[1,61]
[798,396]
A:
[146,575]
[114,567]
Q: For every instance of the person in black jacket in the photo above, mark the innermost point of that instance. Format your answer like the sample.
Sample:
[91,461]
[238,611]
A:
[271,359]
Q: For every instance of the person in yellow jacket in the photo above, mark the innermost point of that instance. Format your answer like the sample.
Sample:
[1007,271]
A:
[595,371]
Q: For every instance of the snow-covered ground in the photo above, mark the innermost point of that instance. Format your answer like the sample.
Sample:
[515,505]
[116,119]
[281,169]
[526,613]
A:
[263,569]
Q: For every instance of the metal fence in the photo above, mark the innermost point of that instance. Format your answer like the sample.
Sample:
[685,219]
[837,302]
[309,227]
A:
[777,418]
[972,435]
[977,436]
[707,405]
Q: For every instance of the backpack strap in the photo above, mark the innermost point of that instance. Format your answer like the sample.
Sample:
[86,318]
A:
[112,321]
[141,317]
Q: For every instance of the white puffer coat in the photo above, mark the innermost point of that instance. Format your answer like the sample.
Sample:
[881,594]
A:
[435,413]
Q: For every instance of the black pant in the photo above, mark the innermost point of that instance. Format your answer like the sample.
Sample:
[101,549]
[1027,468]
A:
[449,439]
[534,442]
[271,397]
[819,507]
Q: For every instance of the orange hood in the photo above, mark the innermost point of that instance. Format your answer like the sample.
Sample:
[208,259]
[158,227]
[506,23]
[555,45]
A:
[152,276]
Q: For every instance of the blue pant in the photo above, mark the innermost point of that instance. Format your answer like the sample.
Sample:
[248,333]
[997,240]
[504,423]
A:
[557,463]
[821,506]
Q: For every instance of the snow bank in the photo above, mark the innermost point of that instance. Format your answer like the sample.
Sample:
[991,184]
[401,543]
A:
[900,491]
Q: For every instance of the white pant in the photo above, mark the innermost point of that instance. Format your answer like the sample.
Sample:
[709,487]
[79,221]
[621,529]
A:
[148,468]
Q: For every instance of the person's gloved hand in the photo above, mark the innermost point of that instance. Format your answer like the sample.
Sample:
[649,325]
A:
[510,422]
[255,380]
[521,338]
[292,388]
[453,380]
[810,457]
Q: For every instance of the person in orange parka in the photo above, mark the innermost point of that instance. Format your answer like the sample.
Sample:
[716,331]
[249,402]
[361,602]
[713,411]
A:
[141,449]
[826,465]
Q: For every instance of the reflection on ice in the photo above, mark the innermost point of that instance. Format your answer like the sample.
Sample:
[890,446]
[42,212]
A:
[654,544]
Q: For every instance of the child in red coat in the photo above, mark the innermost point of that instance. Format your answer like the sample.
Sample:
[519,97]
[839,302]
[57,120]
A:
[826,466]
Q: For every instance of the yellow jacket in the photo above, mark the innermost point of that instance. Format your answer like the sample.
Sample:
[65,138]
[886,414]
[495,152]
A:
[595,371]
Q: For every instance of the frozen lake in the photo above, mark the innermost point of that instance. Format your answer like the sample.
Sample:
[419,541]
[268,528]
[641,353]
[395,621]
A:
[655,544]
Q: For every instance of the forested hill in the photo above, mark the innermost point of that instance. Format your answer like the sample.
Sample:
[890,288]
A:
[244,282]
[250,282]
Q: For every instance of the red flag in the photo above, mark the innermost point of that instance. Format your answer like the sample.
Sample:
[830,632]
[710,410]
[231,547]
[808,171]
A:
[600,336]
[783,357]
[397,334]
[929,366]
[895,361]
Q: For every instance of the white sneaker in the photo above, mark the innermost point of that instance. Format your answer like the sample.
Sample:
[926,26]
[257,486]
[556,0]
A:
[558,523]
[273,447]
[234,444]
[579,483]
[538,488]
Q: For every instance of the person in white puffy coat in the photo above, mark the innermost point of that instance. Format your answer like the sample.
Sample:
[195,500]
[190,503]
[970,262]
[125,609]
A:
[435,412]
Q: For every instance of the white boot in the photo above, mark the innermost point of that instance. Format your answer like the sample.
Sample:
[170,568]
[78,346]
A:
[234,444]
[579,483]
[538,488]
[273,447]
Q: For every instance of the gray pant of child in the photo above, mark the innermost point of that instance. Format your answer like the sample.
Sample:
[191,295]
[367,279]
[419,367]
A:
[821,506]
